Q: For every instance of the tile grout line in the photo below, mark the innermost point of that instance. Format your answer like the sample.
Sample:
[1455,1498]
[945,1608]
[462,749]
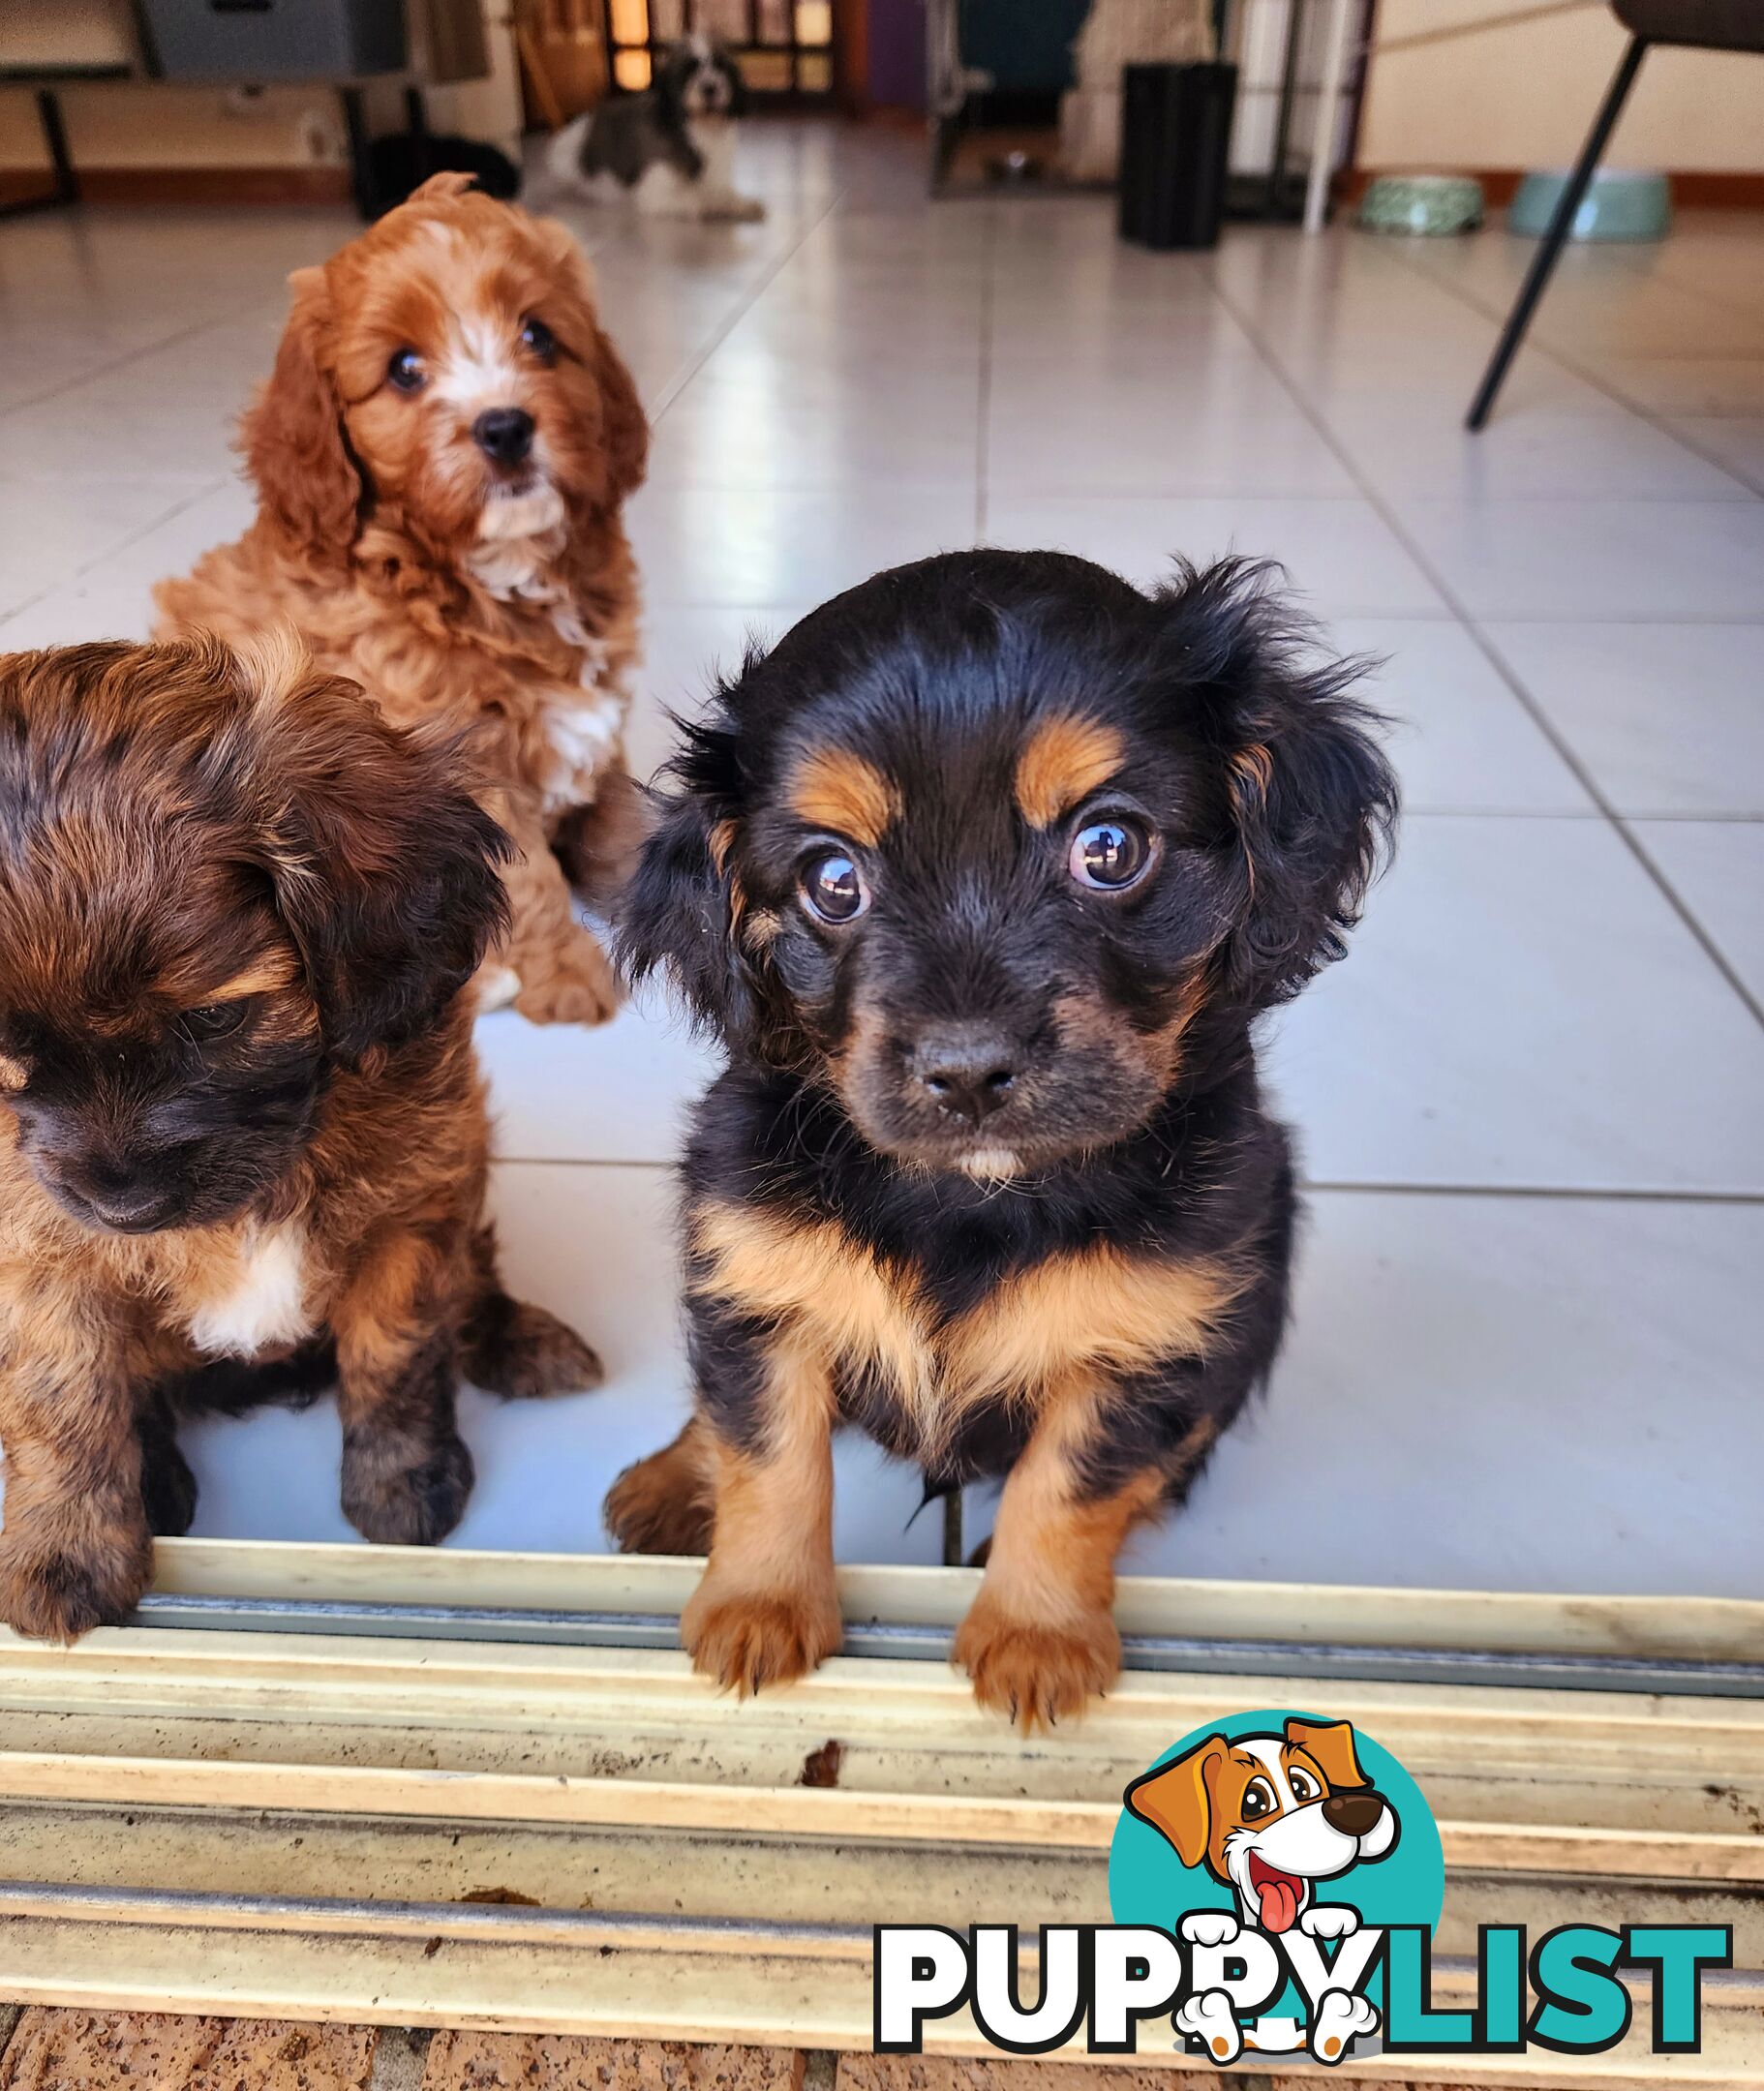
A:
[1540,718]
[744,307]
[1599,1193]
[1643,269]
[1587,374]
[1700,293]
[128,356]
[1621,823]
[619,1162]
[1725,818]
[1646,267]
[1363,1187]
[122,544]
[1570,813]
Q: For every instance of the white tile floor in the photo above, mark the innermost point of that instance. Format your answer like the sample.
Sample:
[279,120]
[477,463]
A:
[1527,1345]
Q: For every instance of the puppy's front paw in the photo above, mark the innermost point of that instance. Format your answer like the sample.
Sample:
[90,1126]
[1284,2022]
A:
[397,1500]
[1338,2021]
[660,1505]
[1209,2018]
[1036,1674]
[1208,1927]
[1329,1920]
[748,1638]
[495,985]
[561,1002]
[57,1595]
[524,1353]
[578,986]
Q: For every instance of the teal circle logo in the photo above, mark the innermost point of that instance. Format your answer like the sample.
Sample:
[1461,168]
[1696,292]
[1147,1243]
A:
[1298,1827]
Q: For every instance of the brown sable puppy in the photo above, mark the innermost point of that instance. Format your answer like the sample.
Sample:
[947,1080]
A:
[242,1137]
[984,875]
[441,456]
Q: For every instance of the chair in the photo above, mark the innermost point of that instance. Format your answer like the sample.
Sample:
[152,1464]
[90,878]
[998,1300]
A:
[1733,25]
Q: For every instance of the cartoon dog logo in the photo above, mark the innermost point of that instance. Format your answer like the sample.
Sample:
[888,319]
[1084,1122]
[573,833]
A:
[1271,1816]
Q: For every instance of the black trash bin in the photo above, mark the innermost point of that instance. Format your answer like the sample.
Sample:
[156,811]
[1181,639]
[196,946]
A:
[1175,142]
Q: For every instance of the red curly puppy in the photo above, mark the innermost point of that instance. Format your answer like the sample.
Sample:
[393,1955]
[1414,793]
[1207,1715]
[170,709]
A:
[441,456]
[242,1135]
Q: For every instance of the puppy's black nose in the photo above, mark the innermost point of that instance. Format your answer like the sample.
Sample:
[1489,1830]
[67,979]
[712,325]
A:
[1353,1814]
[113,1179]
[121,1189]
[504,433]
[970,1068]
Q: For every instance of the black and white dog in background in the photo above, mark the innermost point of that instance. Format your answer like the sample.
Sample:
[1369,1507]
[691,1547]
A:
[671,149]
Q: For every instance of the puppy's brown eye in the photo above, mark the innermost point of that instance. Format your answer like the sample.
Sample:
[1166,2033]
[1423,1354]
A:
[212,1020]
[1304,1786]
[831,889]
[538,337]
[1108,854]
[1258,1801]
[405,371]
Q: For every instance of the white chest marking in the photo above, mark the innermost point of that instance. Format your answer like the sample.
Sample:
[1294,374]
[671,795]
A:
[580,733]
[581,725]
[266,1302]
[662,189]
[714,144]
[519,536]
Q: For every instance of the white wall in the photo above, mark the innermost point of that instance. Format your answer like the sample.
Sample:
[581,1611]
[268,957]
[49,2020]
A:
[1521,94]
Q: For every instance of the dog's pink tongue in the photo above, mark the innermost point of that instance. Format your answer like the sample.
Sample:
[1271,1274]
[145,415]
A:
[1279,1904]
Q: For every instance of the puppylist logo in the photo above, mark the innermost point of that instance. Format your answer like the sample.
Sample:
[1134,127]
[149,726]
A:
[1276,1881]
[1282,1849]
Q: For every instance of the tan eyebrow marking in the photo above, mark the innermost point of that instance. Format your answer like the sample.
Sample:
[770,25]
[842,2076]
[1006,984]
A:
[264,976]
[13,1074]
[834,788]
[1063,761]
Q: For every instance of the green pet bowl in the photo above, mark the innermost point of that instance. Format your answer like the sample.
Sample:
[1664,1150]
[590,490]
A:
[1621,203]
[1429,203]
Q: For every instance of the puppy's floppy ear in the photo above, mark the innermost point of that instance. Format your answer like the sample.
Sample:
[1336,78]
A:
[443,187]
[625,427]
[685,910]
[292,437]
[1332,1743]
[738,87]
[383,865]
[1176,1798]
[1308,794]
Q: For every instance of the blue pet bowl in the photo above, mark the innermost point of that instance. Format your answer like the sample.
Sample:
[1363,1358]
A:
[1621,203]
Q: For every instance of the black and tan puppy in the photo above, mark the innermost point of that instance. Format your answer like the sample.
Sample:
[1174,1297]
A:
[982,876]
[242,1137]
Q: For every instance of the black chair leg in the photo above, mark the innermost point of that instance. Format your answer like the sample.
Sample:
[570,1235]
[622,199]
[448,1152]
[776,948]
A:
[64,182]
[361,155]
[1543,262]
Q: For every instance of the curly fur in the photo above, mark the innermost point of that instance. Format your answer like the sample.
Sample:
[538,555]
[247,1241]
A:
[242,1133]
[989,1174]
[501,602]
